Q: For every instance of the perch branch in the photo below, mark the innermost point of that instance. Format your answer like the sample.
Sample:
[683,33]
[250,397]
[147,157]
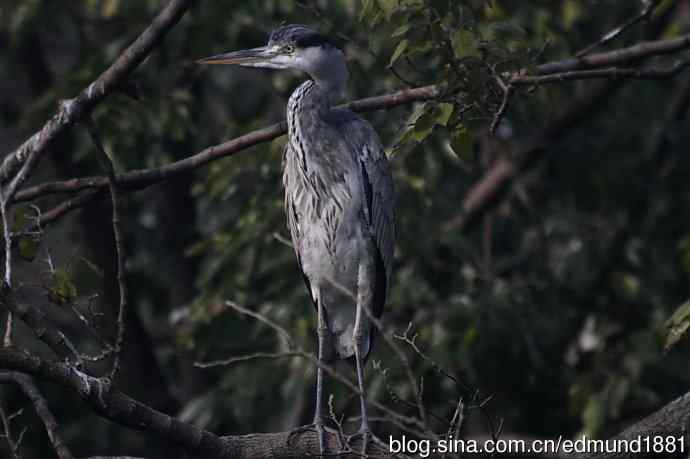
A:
[102,396]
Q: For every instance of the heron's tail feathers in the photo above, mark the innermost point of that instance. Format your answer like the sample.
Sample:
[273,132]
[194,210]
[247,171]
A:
[344,343]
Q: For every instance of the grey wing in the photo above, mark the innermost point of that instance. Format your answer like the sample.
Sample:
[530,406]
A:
[291,190]
[378,183]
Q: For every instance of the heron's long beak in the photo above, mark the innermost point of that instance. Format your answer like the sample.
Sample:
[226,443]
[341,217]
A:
[255,57]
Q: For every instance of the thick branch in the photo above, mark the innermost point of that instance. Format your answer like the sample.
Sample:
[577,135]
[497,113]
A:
[110,403]
[73,110]
[620,56]
[671,420]
[37,321]
[139,179]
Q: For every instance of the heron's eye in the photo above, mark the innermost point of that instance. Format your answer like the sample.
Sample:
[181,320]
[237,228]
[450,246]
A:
[289,49]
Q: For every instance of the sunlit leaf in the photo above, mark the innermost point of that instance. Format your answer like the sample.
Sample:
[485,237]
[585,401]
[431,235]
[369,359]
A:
[445,111]
[399,50]
[402,30]
[572,10]
[677,325]
[388,7]
[461,143]
[110,8]
[594,415]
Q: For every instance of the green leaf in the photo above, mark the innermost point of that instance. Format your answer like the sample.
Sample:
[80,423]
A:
[465,43]
[445,112]
[423,124]
[367,9]
[388,7]
[399,50]
[594,415]
[62,290]
[110,8]
[677,325]
[21,218]
[28,248]
[402,30]
[461,142]
[572,11]
[618,392]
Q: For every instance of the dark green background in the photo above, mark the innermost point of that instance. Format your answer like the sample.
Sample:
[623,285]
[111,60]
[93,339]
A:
[554,305]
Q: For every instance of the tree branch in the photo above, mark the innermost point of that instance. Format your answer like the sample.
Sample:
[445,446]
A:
[113,188]
[41,407]
[142,178]
[644,14]
[73,110]
[109,402]
[106,400]
[490,187]
[620,56]
[672,419]
[649,73]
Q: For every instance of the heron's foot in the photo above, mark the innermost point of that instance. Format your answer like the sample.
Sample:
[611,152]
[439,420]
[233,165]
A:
[318,427]
[366,437]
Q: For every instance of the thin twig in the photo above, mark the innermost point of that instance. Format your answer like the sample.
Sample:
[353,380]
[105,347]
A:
[42,410]
[421,409]
[13,443]
[648,8]
[247,357]
[498,116]
[9,325]
[107,163]
[7,275]
[297,351]
[455,423]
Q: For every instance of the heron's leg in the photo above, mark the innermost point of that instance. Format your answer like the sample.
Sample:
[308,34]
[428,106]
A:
[360,335]
[364,429]
[323,337]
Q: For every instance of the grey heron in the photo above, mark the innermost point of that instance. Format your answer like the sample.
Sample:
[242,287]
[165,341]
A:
[339,201]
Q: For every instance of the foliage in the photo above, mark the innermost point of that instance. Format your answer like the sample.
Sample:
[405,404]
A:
[555,305]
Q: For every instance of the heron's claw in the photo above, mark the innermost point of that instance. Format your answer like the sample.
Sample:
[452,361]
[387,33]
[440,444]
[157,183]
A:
[317,427]
[366,437]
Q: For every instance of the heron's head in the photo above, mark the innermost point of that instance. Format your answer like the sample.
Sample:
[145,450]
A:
[295,47]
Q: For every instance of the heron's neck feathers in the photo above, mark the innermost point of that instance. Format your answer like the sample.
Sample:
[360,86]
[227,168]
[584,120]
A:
[330,75]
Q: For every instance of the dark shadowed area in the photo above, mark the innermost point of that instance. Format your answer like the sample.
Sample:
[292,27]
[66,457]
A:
[541,271]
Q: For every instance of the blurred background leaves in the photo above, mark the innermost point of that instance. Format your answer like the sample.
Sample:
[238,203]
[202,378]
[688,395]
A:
[556,304]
